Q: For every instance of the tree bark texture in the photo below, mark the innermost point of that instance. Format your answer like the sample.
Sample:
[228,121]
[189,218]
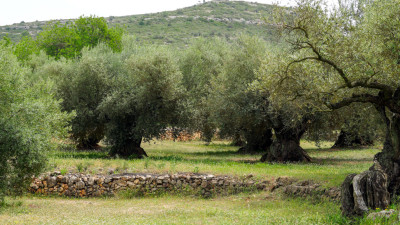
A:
[286,147]
[131,148]
[375,187]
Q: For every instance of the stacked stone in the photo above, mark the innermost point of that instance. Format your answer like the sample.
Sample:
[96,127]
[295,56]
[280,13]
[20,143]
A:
[81,185]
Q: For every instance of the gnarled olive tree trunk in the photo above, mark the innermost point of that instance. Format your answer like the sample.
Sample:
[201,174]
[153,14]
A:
[374,188]
[286,146]
[130,148]
[348,139]
[258,140]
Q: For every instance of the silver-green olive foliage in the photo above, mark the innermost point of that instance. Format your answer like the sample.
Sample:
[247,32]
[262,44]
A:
[335,59]
[145,100]
[30,121]
[200,63]
[83,84]
[235,106]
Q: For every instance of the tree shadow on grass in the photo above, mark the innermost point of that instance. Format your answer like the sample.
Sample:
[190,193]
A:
[338,161]
[333,150]
[82,155]
[211,161]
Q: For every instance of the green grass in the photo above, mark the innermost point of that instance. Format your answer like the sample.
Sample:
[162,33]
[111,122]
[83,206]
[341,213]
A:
[329,167]
[260,208]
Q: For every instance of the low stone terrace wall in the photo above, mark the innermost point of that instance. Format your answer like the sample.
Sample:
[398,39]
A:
[206,185]
[82,185]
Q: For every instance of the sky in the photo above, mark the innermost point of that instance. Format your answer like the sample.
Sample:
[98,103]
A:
[15,11]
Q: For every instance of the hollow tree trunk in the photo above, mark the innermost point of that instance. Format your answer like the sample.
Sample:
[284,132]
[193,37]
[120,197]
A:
[374,188]
[286,147]
[347,140]
[131,148]
[258,140]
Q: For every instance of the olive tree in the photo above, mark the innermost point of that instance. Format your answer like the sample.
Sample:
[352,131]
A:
[83,84]
[145,100]
[338,59]
[236,109]
[30,120]
[359,125]
[200,63]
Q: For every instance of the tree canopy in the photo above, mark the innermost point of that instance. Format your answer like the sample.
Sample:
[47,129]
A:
[30,119]
[68,40]
[340,57]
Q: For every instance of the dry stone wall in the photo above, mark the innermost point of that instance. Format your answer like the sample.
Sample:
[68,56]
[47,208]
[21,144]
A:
[83,185]
[206,185]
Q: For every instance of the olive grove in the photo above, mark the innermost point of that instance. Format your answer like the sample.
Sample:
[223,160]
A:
[347,55]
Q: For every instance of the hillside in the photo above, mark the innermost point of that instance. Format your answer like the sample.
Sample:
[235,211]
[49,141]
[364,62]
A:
[224,19]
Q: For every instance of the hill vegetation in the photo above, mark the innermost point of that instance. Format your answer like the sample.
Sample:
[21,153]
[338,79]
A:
[210,19]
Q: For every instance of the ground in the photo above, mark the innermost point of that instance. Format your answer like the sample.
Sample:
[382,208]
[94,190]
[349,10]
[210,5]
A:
[329,168]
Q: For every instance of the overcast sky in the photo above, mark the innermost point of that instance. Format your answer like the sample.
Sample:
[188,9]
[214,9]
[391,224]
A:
[15,11]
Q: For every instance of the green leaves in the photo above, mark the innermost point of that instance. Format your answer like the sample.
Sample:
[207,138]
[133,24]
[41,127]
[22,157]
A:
[30,121]
[68,40]
[146,98]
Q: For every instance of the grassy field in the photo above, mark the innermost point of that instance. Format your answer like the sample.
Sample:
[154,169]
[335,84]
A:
[258,208]
[329,167]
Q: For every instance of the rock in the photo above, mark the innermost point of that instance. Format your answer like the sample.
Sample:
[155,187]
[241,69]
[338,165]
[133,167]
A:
[34,186]
[107,180]
[131,184]
[122,183]
[72,180]
[51,182]
[90,181]
[55,173]
[209,177]
[59,178]
[64,180]
[99,180]
[381,214]
[80,185]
